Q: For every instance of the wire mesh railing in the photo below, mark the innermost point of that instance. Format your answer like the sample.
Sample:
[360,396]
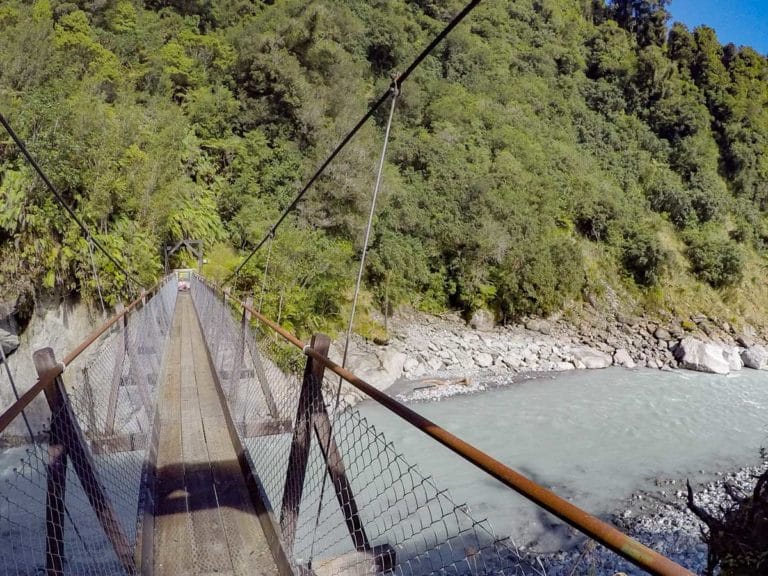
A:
[343,499]
[377,512]
[77,488]
[71,496]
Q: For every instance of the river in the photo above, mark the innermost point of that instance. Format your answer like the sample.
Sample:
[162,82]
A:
[593,437]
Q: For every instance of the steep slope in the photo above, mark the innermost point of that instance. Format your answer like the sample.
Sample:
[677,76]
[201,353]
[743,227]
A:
[548,152]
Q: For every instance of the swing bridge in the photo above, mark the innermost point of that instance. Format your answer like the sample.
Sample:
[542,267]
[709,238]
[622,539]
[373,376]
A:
[189,434]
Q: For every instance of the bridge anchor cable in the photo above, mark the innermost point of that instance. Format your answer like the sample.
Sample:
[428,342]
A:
[395,92]
[60,199]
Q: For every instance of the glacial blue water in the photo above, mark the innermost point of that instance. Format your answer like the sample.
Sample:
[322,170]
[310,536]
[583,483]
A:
[592,436]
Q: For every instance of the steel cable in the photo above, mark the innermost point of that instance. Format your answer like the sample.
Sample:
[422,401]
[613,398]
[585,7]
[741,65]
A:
[60,199]
[395,93]
[371,111]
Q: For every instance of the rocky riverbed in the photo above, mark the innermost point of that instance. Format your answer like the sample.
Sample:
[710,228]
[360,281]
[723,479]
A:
[661,520]
[433,357]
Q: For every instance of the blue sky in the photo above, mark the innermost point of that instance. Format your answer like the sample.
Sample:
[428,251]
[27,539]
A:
[743,22]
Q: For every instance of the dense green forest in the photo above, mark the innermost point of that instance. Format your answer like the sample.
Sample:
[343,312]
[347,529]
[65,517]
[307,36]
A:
[548,152]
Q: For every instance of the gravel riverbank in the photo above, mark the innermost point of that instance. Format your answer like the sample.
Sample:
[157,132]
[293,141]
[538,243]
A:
[661,520]
[434,357]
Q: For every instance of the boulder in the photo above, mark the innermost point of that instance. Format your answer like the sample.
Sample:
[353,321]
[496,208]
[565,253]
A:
[745,340]
[379,369]
[662,334]
[591,359]
[733,357]
[538,325]
[701,356]
[410,364]
[755,357]
[9,342]
[564,366]
[482,319]
[435,364]
[484,360]
[622,358]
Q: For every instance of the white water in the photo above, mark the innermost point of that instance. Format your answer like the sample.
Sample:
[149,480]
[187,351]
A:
[593,437]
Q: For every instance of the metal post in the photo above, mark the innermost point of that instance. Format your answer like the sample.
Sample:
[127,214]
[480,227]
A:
[56,469]
[67,439]
[300,444]
[311,414]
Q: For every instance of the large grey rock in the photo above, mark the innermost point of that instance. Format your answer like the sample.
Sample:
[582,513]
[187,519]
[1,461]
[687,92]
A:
[484,360]
[482,319]
[701,356]
[591,359]
[733,357]
[745,341]
[9,342]
[538,325]
[380,369]
[410,364]
[755,357]
[662,334]
[435,364]
[622,358]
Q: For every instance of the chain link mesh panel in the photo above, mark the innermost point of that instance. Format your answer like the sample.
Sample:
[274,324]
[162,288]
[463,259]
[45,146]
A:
[374,502]
[70,493]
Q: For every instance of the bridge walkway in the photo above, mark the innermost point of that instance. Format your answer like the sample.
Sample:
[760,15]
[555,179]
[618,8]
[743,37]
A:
[204,520]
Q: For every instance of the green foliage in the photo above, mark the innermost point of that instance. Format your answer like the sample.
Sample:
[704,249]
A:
[534,127]
[644,257]
[716,261]
[538,278]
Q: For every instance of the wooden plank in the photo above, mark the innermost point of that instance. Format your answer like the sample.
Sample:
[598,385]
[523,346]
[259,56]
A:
[173,544]
[119,443]
[248,550]
[211,548]
[56,478]
[255,496]
[255,429]
[173,550]
[338,474]
[221,529]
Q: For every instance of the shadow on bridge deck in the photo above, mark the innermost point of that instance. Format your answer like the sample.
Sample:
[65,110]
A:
[204,519]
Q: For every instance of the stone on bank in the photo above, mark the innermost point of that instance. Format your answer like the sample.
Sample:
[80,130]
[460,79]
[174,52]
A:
[708,357]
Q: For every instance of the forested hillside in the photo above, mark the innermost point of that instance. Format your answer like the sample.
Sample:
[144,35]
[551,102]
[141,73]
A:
[548,152]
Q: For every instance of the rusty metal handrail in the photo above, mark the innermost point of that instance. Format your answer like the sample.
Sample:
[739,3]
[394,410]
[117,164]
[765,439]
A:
[596,529]
[17,407]
[45,381]
[93,336]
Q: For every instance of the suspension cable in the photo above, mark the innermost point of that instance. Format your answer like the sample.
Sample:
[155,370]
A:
[266,269]
[60,199]
[96,276]
[371,111]
[394,90]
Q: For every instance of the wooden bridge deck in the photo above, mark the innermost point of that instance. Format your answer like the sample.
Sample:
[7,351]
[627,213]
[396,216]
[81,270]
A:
[204,521]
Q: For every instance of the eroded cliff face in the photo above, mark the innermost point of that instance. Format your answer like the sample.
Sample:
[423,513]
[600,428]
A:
[53,322]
